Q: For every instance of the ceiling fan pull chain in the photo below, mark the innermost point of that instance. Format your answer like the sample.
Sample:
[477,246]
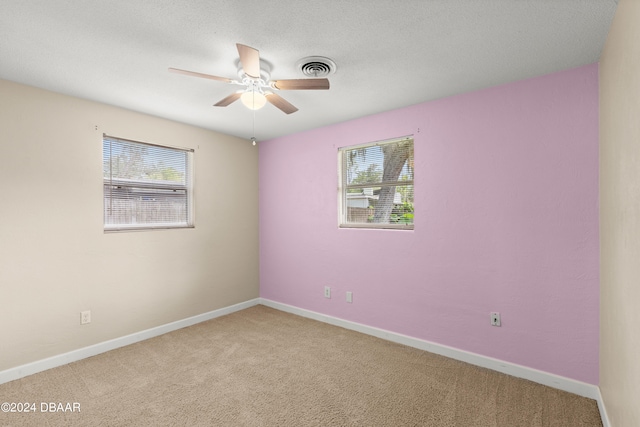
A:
[253,138]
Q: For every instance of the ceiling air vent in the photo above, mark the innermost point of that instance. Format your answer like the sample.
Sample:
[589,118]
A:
[316,66]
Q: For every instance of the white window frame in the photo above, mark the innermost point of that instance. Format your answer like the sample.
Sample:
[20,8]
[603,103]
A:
[110,181]
[343,187]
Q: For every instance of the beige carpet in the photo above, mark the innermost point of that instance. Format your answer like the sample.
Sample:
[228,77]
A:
[263,367]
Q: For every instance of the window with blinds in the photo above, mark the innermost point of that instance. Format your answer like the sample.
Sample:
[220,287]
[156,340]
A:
[145,185]
[376,184]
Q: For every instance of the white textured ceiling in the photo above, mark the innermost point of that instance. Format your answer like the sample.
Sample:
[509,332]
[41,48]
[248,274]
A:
[389,54]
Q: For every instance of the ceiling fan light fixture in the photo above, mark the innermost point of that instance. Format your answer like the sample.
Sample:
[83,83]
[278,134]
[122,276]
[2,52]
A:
[253,99]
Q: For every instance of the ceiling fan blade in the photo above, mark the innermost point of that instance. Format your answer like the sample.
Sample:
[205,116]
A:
[228,100]
[250,60]
[280,103]
[204,76]
[301,84]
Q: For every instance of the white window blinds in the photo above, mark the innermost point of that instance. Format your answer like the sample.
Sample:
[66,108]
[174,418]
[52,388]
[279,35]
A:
[376,184]
[145,185]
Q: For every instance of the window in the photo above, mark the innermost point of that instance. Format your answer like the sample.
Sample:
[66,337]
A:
[376,184]
[145,185]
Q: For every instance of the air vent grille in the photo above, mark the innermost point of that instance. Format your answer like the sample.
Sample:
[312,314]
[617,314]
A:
[316,66]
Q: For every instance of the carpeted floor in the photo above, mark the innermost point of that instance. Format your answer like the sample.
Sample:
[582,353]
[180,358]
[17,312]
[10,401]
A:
[263,367]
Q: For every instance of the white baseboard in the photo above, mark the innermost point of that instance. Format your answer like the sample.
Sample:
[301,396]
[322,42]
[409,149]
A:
[82,353]
[603,410]
[562,383]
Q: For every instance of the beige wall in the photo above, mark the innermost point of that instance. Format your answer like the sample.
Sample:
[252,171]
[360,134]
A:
[55,259]
[620,217]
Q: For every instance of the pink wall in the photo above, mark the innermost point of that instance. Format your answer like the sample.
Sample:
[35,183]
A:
[506,219]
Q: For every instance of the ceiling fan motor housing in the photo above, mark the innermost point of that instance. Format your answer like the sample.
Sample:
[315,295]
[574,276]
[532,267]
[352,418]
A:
[265,71]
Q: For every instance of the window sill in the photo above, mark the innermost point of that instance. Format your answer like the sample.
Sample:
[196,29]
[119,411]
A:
[122,229]
[371,226]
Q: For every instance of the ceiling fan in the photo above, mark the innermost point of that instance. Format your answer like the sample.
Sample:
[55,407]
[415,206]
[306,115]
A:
[258,86]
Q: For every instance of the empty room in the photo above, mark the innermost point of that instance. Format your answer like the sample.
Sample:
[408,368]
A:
[293,213]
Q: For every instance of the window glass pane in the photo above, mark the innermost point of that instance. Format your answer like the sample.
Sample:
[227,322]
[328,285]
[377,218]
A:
[136,161]
[141,206]
[367,164]
[362,205]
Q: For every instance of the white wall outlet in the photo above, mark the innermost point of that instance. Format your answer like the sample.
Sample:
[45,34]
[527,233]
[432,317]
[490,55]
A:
[495,318]
[327,292]
[85,317]
[349,296]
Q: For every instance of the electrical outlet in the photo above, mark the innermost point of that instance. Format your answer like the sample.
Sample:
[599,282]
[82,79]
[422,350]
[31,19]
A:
[495,318]
[327,292]
[85,317]
[349,296]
